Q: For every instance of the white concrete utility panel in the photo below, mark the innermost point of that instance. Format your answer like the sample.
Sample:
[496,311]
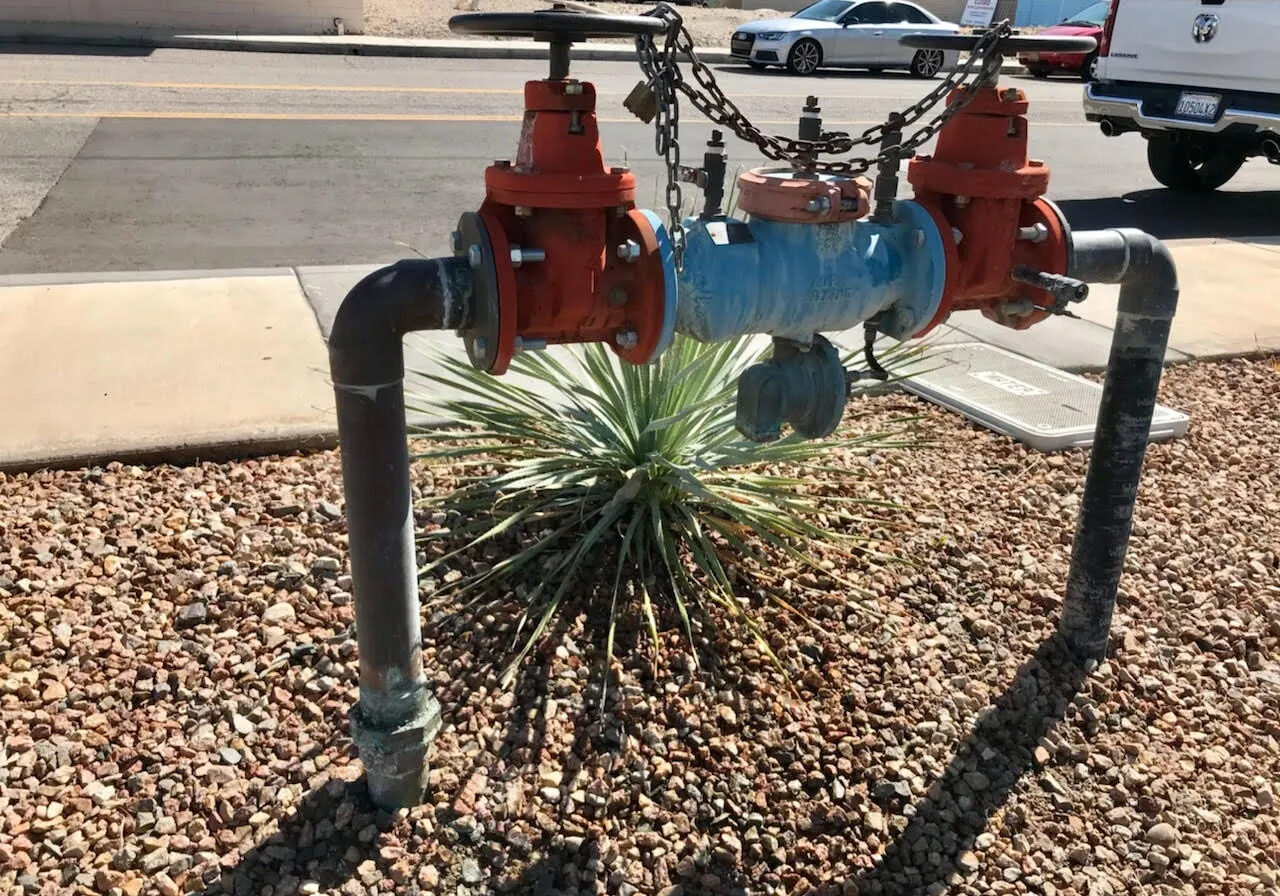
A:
[1040,406]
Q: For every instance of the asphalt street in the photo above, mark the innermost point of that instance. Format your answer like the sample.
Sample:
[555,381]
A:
[178,160]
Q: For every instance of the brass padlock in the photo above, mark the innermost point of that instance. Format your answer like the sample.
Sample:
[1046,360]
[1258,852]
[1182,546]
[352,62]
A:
[641,102]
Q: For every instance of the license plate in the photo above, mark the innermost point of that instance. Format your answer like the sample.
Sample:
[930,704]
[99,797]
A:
[1198,105]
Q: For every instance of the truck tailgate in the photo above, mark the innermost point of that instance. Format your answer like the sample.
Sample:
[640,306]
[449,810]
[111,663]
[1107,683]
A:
[1155,41]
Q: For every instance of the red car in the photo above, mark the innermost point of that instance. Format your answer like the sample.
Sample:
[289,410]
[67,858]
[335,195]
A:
[1086,23]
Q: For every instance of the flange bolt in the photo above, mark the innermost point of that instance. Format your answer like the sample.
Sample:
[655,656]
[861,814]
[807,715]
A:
[629,251]
[627,338]
[521,256]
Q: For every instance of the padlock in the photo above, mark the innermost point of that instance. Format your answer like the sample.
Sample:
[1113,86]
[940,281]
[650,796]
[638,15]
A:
[642,102]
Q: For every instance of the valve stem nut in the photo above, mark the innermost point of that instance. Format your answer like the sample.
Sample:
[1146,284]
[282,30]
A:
[627,338]
[629,251]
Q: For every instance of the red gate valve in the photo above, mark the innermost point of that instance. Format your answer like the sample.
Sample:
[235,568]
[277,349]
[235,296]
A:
[561,252]
[1005,243]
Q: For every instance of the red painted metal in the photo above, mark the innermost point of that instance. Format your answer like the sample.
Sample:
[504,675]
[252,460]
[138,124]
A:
[559,196]
[981,188]
[778,194]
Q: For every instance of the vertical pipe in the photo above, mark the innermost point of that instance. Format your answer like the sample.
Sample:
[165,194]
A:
[397,717]
[1148,300]
[391,722]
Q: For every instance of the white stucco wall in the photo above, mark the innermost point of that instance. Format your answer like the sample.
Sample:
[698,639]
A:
[245,16]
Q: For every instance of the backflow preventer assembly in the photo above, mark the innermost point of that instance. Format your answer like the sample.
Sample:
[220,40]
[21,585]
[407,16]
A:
[559,253]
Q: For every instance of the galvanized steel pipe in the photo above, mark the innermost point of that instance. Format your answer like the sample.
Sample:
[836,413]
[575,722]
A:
[1148,300]
[396,717]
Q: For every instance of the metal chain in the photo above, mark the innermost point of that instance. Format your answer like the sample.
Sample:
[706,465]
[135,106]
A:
[665,79]
[663,74]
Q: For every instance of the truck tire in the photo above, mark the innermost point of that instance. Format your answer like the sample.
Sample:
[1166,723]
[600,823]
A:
[1192,167]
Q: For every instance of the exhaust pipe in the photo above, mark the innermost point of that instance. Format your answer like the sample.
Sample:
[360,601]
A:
[1271,149]
[1108,128]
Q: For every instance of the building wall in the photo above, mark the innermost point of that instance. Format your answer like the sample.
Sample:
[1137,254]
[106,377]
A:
[1048,12]
[123,16]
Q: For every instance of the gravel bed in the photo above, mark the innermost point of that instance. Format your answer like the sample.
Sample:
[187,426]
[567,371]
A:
[429,19]
[176,663]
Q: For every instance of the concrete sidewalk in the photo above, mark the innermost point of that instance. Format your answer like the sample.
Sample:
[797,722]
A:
[195,365]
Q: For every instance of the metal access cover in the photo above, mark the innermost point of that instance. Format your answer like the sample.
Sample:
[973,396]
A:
[1040,406]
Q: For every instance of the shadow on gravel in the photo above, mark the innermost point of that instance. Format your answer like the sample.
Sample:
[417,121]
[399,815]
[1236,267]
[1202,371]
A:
[306,840]
[957,807]
[1169,215]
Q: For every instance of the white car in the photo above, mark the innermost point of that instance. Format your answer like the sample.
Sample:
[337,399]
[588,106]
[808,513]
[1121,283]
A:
[845,34]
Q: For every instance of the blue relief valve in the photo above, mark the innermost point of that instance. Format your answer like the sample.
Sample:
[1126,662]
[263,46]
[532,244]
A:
[804,385]
[808,261]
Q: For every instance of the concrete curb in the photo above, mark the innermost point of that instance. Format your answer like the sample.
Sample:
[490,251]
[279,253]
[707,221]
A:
[217,447]
[359,45]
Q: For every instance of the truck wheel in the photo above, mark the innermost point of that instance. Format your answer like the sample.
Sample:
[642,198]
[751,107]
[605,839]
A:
[1192,167]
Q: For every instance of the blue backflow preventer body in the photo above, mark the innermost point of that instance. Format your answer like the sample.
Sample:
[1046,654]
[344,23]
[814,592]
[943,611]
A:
[796,280]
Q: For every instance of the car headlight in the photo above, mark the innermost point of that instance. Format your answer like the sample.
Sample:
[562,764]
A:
[773,35]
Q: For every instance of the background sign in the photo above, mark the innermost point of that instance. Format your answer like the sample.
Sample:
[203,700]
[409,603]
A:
[978,13]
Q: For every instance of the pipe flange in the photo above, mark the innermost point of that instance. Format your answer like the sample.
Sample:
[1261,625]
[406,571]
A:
[483,339]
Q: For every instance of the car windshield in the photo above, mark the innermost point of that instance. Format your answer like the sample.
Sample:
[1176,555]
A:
[1091,15]
[825,10]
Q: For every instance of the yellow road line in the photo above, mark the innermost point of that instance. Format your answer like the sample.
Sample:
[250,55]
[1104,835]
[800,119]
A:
[382,88]
[268,116]
[393,116]
[318,88]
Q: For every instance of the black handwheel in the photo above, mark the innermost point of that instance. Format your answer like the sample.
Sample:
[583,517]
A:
[554,24]
[560,28]
[1008,46]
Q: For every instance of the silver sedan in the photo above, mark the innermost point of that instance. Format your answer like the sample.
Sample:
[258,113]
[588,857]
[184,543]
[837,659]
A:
[845,33]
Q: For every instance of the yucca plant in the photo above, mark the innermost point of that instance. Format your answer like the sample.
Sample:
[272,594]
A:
[593,464]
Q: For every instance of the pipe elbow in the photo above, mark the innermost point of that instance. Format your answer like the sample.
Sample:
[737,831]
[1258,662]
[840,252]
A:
[1137,260]
[416,294]
[1150,282]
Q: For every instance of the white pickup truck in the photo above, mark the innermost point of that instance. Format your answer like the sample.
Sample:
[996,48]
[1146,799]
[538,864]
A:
[1199,79]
